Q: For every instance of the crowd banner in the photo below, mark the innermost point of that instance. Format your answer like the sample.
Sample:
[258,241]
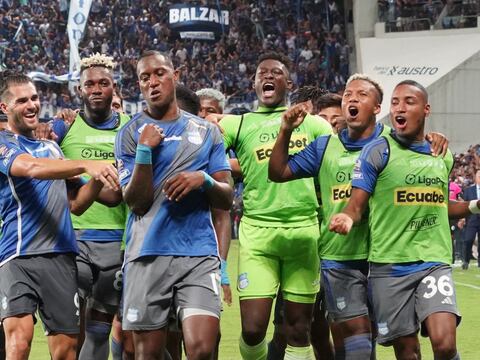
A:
[198,22]
[77,19]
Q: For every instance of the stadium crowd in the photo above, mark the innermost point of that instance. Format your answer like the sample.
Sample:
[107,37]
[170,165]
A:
[312,33]
[415,15]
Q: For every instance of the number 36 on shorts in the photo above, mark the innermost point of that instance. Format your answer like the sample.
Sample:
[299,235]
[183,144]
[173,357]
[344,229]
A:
[443,285]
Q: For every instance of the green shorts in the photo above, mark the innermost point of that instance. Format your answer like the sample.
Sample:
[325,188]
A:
[270,257]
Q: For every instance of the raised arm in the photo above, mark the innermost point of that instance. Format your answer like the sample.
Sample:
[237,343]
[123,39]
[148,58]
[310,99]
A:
[278,169]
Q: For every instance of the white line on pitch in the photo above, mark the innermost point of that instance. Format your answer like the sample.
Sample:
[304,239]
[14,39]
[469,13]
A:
[467,285]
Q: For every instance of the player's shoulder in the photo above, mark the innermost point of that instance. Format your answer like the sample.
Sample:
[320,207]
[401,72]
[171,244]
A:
[378,145]
[7,136]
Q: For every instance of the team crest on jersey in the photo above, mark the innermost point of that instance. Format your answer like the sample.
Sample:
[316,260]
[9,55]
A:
[132,315]
[194,137]
[383,328]
[341,303]
[4,303]
[242,281]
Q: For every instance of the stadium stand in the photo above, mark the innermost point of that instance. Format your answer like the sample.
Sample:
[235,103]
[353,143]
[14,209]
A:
[312,33]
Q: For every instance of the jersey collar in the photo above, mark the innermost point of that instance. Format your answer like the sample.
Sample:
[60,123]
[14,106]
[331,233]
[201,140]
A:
[264,109]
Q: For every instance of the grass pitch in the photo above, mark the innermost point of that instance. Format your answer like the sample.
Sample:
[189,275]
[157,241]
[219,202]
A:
[468,296]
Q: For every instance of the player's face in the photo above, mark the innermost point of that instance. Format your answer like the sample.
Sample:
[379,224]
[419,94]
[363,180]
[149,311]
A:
[408,110]
[157,78]
[22,108]
[360,104]
[334,116]
[209,106]
[117,104]
[96,89]
[272,83]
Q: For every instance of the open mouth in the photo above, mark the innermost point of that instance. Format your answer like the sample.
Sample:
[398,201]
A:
[400,121]
[154,93]
[268,89]
[30,116]
[353,111]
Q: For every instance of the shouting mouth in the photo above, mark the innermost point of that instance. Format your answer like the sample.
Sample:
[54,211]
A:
[268,89]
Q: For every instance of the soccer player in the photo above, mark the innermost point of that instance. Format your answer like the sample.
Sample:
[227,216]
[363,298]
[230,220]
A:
[37,247]
[173,168]
[329,107]
[279,229]
[406,189]
[99,230]
[320,332]
[211,102]
[331,159]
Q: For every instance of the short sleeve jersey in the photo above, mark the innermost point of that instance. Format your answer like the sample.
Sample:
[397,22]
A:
[181,228]
[269,204]
[35,213]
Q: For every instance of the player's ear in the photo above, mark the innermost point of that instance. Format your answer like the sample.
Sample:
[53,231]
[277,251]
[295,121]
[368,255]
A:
[289,85]
[426,110]
[377,109]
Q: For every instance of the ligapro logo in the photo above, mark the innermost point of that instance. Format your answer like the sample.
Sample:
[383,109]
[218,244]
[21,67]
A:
[405,70]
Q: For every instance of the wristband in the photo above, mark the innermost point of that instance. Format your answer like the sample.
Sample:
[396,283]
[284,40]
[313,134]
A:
[224,280]
[472,206]
[143,155]
[208,181]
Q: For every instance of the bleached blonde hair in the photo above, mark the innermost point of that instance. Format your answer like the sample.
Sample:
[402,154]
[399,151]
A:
[365,77]
[97,59]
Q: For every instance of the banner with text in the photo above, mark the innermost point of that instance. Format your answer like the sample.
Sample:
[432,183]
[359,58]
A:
[424,59]
[77,20]
[198,22]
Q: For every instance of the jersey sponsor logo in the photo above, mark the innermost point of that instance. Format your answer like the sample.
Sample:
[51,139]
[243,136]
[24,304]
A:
[8,155]
[341,193]
[297,143]
[172,138]
[242,281]
[3,150]
[123,174]
[411,179]
[343,176]
[406,196]
[422,163]
[99,139]
[272,136]
[89,153]
[357,172]
[423,223]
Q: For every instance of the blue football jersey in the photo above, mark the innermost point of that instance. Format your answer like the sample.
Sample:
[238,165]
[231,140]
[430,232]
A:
[181,228]
[35,213]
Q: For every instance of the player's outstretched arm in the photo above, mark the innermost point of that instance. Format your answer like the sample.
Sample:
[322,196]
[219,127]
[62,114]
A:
[81,198]
[342,223]
[139,192]
[278,169]
[438,143]
[461,209]
[26,165]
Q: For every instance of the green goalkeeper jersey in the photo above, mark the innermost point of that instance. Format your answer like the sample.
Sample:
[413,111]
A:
[252,137]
